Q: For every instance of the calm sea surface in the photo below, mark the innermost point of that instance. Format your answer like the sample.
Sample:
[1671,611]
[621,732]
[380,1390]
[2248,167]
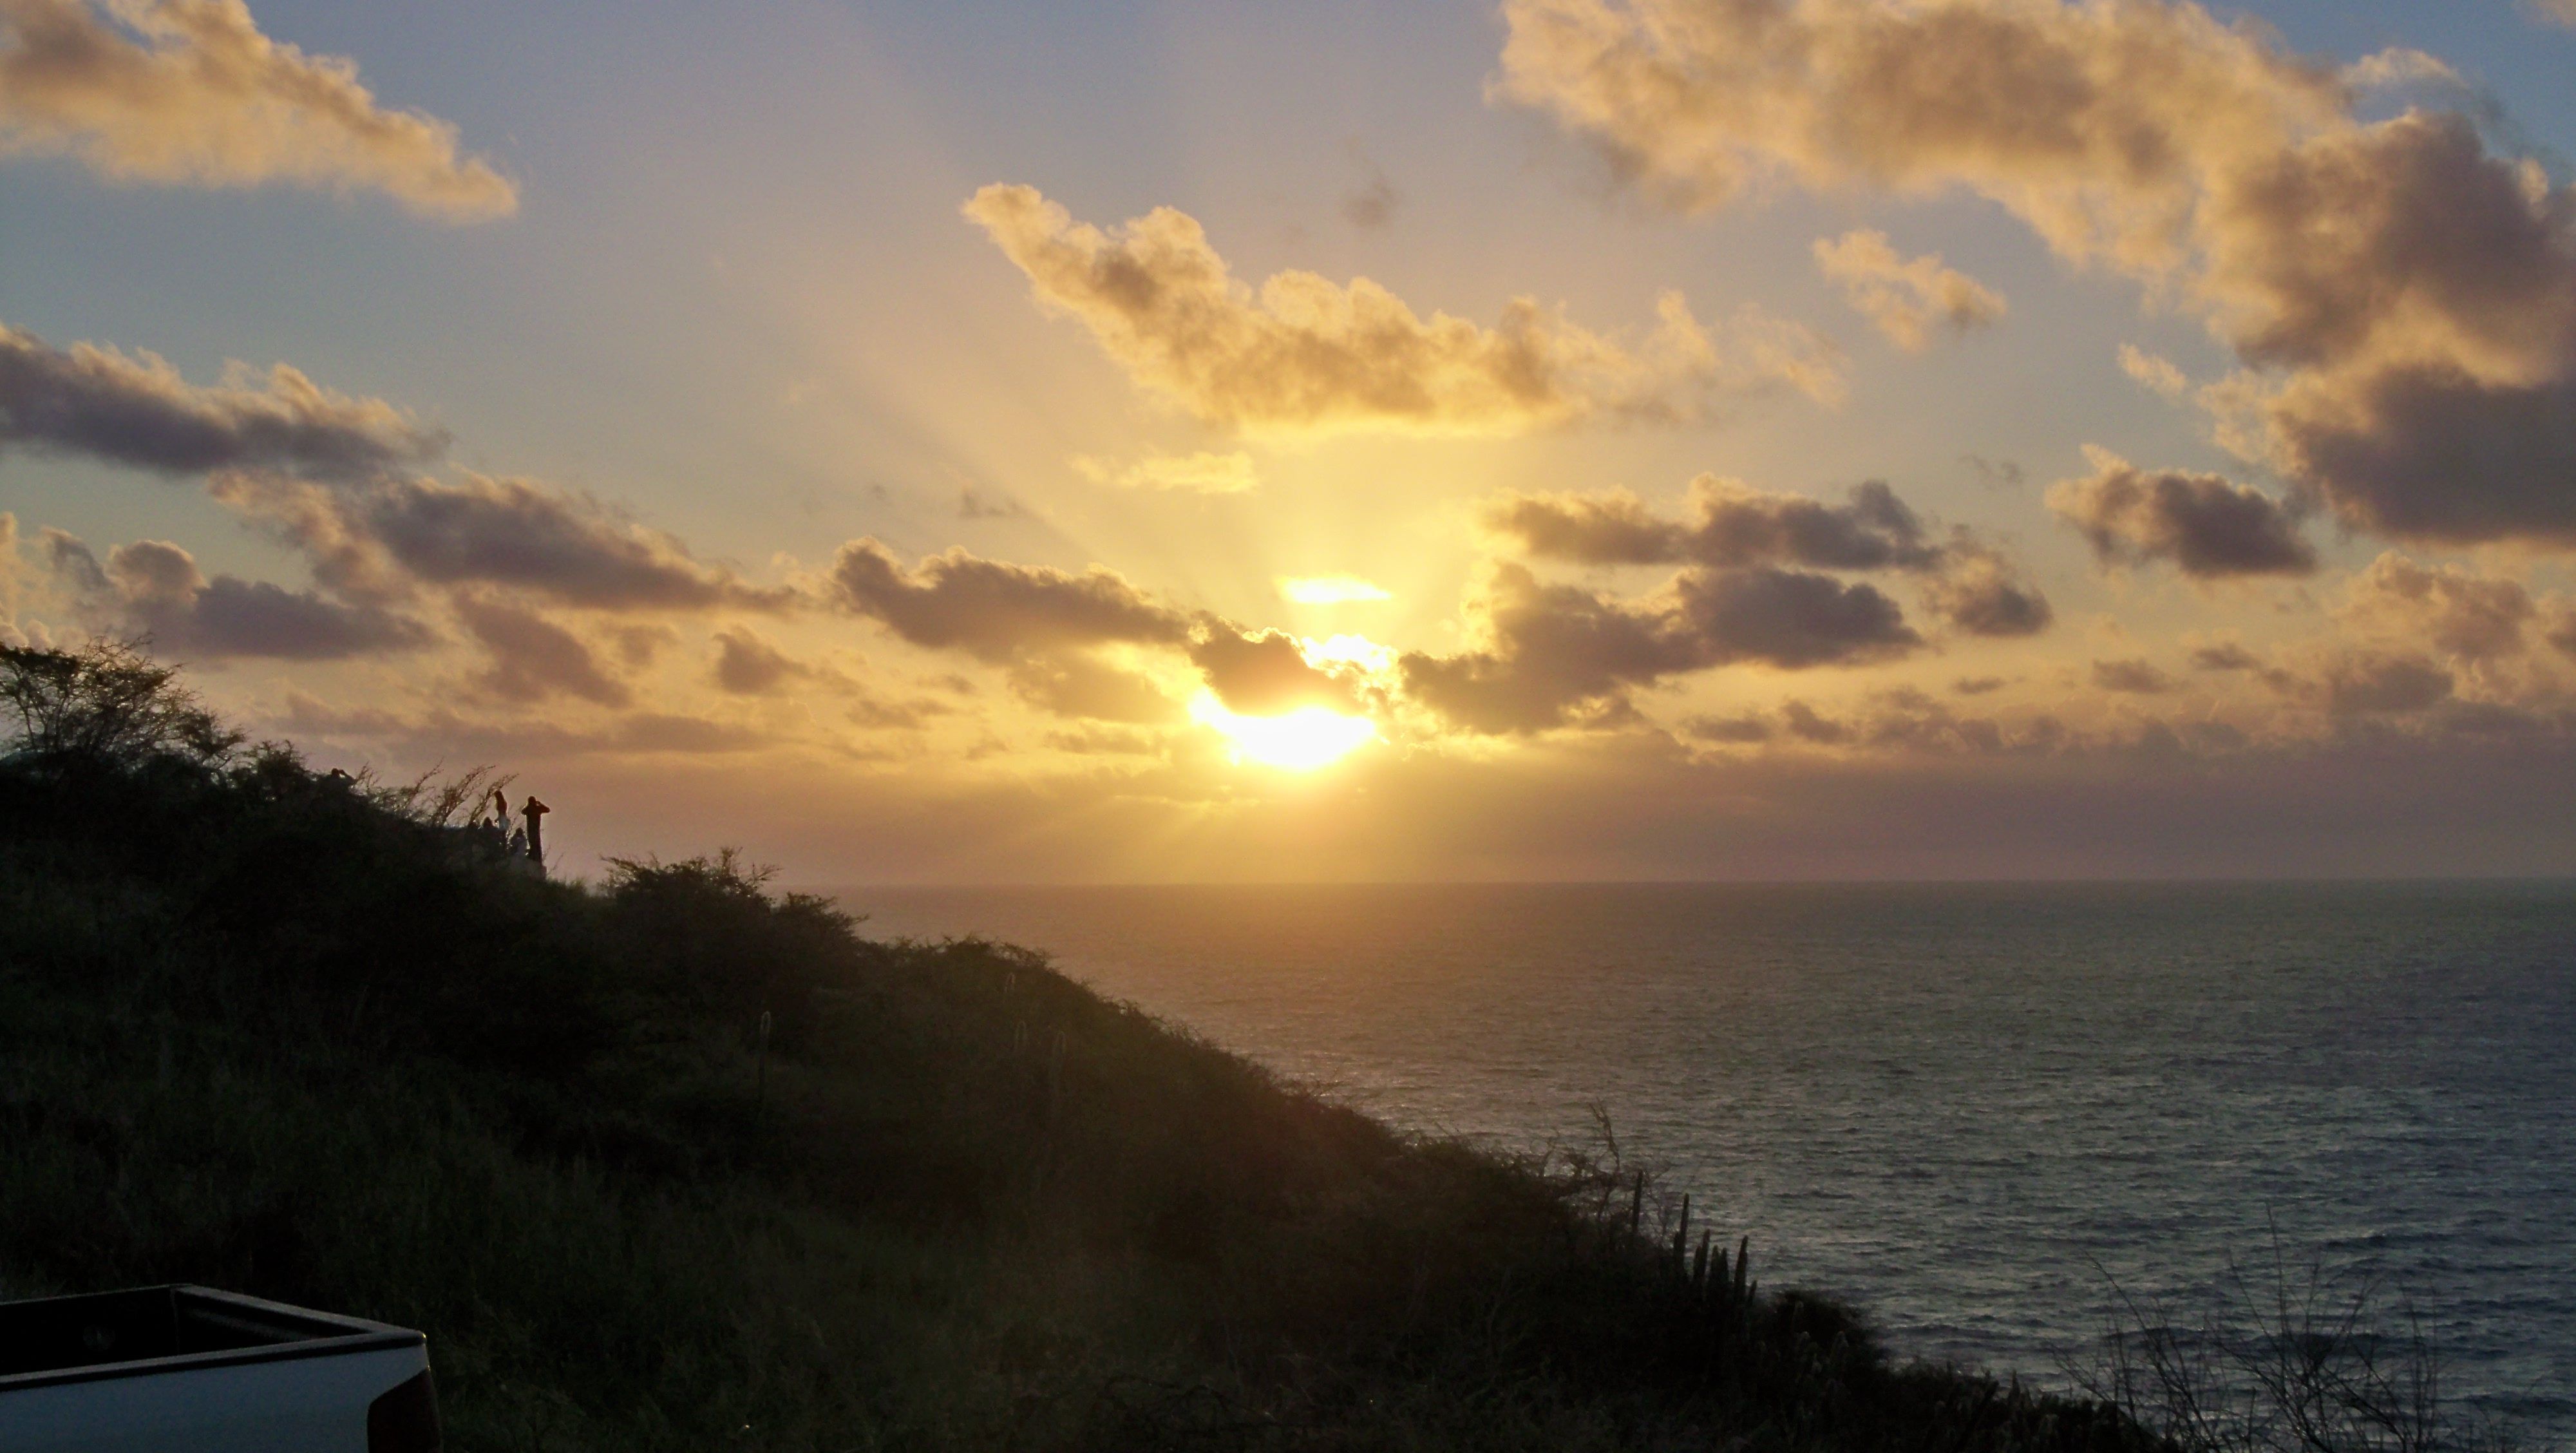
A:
[1966,1108]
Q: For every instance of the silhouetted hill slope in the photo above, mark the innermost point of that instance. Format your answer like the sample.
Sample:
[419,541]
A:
[296,1035]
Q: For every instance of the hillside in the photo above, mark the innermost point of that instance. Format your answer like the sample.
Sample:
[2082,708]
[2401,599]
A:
[672,1161]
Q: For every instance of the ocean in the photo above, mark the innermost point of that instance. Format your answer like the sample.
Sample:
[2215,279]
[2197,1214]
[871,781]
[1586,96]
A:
[1985,1114]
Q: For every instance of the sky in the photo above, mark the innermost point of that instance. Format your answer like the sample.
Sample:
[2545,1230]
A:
[1555,440]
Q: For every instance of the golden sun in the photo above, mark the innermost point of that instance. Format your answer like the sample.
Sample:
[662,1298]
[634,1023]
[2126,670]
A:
[1296,741]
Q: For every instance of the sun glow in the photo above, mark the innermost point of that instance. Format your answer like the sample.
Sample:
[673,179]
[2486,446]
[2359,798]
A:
[1297,741]
[1331,590]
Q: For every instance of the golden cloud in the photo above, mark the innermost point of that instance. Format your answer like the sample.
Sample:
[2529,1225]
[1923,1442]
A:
[1907,298]
[191,91]
[1305,355]
[1199,473]
[2404,300]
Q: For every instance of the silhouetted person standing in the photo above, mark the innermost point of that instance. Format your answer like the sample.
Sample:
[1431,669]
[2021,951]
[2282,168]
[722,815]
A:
[535,812]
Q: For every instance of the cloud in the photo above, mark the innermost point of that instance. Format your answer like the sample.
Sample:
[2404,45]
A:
[656,731]
[154,588]
[135,409]
[1331,590]
[1907,298]
[2475,618]
[444,732]
[1049,627]
[2153,372]
[2383,684]
[748,665]
[325,473]
[533,658]
[2404,301]
[1728,730]
[1304,355]
[1105,741]
[519,533]
[2207,526]
[1200,473]
[1994,473]
[1266,674]
[190,91]
[2131,677]
[1372,204]
[1728,524]
[2562,12]
[1980,596]
[996,611]
[974,504]
[2226,656]
[1900,721]
[1077,685]
[1551,655]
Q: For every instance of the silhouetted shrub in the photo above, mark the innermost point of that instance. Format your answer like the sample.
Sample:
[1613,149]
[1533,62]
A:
[109,702]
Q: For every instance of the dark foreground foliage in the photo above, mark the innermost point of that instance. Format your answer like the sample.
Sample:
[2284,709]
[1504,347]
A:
[675,1162]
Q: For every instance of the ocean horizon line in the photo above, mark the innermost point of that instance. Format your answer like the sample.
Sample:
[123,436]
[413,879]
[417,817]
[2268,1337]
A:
[2070,881]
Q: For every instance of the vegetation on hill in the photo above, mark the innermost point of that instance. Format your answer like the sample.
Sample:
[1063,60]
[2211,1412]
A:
[674,1161]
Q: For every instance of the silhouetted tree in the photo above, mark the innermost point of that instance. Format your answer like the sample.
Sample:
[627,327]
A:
[107,702]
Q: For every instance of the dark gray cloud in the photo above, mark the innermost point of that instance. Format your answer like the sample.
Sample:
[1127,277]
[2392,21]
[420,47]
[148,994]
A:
[2226,656]
[2205,525]
[1727,524]
[1788,619]
[994,610]
[1265,674]
[2473,617]
[1994,473]
[2382,684]
[2434,454]
[1371,204]
[136,410]
[531,537]
[534,659]
[154,588]
[384,540]
[1901,721]
[326,474]
[1732,731]
[1559,654]
[878,714]
[1979,595]
[747,665]
[1807,724]
[2131,677]
[974,504]
[444,732]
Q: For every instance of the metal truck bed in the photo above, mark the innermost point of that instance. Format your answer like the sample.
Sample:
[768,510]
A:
[187,1368]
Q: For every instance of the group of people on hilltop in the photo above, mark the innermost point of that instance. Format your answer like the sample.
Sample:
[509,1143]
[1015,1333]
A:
[526,844]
